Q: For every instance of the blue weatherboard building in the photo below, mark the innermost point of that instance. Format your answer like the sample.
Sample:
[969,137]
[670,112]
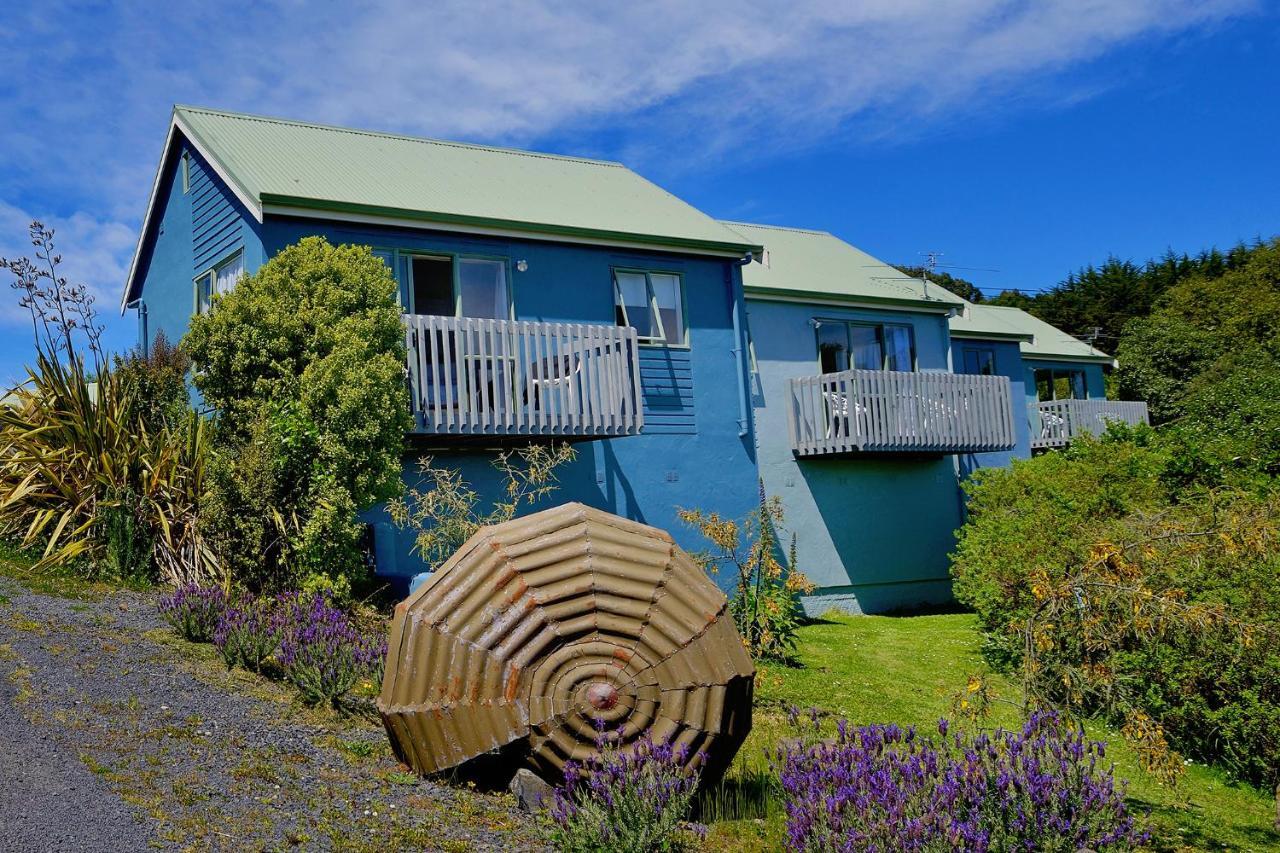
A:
[551,298]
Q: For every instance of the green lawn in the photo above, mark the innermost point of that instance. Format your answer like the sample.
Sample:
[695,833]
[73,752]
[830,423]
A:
[908,670]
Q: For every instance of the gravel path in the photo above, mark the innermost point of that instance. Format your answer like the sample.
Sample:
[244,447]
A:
[118,736]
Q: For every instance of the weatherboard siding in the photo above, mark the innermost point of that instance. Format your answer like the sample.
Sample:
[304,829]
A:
[193,230]
[690,452]
[872,532]
[666,385]
[217,229]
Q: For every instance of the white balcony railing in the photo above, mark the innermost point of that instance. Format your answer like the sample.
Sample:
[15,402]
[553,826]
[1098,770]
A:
[891,411]
[469,376]
[1055,422]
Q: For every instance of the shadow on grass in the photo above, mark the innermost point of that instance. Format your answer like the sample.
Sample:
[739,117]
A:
[1185,826]
[750,795]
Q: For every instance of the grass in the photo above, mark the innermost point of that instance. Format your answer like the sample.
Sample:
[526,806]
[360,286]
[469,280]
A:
[909,670]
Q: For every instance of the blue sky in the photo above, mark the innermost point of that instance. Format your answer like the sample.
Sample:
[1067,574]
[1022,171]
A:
[1026,137]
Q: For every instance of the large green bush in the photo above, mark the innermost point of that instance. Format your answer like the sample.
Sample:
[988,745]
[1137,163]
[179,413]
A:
[1044,514]
[1202,331]
[303,363]
[1113,589]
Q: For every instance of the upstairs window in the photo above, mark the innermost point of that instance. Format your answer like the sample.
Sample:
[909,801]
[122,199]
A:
[218,280]
[1059,384]
[446,286]
[980,361]
[653,304]
[186,173]
[843,345]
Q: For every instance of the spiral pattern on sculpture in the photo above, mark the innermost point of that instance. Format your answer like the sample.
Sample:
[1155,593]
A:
[551,628]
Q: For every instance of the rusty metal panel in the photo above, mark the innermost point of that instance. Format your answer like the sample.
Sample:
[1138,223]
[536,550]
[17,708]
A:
[540,630]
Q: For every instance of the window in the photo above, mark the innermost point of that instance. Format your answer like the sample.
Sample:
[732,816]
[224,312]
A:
[1059,384]
[482,288]
[431,286]
[218,281]
[186,173]
[860,346]
[652,303]
[461,287]
[980,361]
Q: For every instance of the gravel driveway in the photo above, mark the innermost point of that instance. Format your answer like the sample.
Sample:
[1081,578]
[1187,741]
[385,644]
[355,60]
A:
[118,736]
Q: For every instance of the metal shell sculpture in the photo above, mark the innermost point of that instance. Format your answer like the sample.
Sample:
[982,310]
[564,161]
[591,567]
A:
[540,631]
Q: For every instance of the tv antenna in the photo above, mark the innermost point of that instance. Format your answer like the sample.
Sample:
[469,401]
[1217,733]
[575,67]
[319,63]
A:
[929,266]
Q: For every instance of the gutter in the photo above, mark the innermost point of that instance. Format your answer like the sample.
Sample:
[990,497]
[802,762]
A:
[806,297]
[739,356]
[281,205]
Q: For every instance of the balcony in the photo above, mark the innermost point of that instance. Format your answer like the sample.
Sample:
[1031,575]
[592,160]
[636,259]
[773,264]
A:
[883,411]
[1055,422]
[474,377]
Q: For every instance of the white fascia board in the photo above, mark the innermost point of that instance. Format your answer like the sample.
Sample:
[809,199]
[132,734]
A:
[177,125]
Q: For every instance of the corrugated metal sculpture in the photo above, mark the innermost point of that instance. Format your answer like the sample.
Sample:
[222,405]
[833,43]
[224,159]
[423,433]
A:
[543,628]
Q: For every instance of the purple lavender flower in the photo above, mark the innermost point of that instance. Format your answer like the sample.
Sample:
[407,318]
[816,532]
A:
[882,788]
[250,634]
[323,652]
[193,611]
[627,797]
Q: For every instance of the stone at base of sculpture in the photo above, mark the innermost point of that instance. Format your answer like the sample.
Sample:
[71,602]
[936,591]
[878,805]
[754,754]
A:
[550,628]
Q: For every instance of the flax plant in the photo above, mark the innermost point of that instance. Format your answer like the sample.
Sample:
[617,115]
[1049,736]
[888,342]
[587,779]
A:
[81,474]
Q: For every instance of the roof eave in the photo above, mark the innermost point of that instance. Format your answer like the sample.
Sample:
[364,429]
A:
[970,334]
[1074,357]
[178,125]
[929,306]
[280,204]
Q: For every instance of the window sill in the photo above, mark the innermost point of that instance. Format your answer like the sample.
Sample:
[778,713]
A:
[648,345]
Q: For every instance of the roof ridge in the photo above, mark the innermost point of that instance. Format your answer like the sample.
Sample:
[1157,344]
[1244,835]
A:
[425,140]
[814,231]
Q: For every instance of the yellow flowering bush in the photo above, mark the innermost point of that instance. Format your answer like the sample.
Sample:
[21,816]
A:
[764,597]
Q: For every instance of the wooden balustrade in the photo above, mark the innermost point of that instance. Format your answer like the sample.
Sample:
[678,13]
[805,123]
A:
[471,376]
[886,411]
[1055,422]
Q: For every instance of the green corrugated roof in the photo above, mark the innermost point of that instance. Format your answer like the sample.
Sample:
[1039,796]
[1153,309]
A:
[802,263]
[1046,341]
[296,164]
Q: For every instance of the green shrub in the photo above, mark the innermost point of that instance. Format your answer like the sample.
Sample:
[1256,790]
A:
[1201,331]
[304,364]
[83,473]
[157,382]
[1111,593]
[1043,515]
[444,511]
[763,600]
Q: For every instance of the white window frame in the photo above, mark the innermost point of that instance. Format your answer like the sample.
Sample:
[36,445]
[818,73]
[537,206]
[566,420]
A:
[212,274]
[186,172]
[660,338]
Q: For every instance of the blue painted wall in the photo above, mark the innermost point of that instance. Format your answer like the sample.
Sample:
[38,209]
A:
[1009,365]
[697,449]
[690,453]
[873,533]
[195,230]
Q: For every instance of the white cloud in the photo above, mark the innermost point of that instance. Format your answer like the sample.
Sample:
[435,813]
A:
[660,83]
[95,253]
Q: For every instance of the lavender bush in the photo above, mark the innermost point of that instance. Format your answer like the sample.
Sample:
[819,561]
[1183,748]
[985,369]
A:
[250,633]
[633,798]
[883,788]
[324,653]
[194,611]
